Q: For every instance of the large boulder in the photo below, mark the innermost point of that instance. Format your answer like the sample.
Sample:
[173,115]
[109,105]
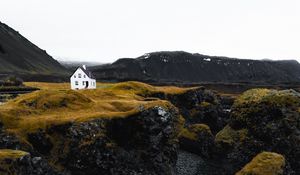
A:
[197,138]
[199,105]
[262,120]
[265,163]
[142,143]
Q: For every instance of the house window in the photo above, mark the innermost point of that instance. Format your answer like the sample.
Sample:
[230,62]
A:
[83,83]
[76,82]
[83,76]
[74,76]
[79,75]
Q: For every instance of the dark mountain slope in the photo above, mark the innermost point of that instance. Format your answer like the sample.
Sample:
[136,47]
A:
[165,67]
[20,56]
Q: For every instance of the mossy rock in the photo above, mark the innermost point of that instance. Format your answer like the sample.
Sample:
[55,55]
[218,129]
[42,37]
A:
[194,130]
[15,162]
[279,98]
[230,136]
[197,138]
[263,119]
[205,104]
[265,163]
[251,105]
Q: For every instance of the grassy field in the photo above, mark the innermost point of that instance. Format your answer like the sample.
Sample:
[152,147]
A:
[56,104]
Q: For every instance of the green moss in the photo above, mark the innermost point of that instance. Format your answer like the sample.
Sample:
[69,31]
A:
[251,96]
[192,131]
[278,98]
[254,104]
[265,163]
[205,104]
[230,136]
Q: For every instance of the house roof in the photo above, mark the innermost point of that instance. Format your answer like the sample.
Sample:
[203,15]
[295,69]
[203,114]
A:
[86,71]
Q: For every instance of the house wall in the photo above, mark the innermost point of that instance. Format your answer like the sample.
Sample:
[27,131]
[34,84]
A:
[84,78]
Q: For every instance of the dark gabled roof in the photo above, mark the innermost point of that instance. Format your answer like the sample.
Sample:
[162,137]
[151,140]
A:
[86,71]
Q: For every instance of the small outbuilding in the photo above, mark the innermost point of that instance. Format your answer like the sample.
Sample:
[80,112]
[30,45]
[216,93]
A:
[82,78]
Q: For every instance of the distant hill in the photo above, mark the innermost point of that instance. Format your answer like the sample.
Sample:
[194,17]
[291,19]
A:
[20,57]
[183,67]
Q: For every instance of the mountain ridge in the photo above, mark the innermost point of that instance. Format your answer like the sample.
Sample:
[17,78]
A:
[21,57]
[180,66]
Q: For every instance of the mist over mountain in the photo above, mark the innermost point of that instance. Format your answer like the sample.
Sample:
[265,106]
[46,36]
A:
[20,57]
[183,67]
[72,65]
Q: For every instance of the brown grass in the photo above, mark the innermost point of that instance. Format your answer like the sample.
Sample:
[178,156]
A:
[55,104]
[11,154]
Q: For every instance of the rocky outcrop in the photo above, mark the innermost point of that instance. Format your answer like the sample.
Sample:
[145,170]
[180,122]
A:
[143,143]
[266,163]
[9,140]
[197,138]
[262,120]
[132,128]
[199,106]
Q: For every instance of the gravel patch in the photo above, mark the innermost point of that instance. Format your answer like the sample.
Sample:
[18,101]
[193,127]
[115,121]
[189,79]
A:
[192,164]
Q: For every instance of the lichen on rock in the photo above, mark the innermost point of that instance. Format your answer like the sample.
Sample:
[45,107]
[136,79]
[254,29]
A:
[265,163]
[197,138]
[262,119]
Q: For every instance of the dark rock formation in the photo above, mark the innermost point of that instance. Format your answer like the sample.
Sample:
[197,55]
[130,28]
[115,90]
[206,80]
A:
[262,120]
[199,105]
[7,140]
[198,139]
[22,163]
[143,143]
[182,67]
[40,141]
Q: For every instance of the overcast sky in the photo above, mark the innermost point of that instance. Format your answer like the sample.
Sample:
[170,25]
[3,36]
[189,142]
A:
[105,30]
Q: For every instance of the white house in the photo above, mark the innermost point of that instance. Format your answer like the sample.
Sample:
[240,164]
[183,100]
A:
[82,78]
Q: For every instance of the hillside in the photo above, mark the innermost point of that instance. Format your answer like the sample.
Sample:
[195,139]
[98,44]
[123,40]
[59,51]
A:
[183,67]
[20,57]
[135,128]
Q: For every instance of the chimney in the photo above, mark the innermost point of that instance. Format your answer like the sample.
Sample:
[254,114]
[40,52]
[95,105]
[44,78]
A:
[84,67]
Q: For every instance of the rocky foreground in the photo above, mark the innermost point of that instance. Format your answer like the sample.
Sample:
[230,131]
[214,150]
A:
[134,128]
